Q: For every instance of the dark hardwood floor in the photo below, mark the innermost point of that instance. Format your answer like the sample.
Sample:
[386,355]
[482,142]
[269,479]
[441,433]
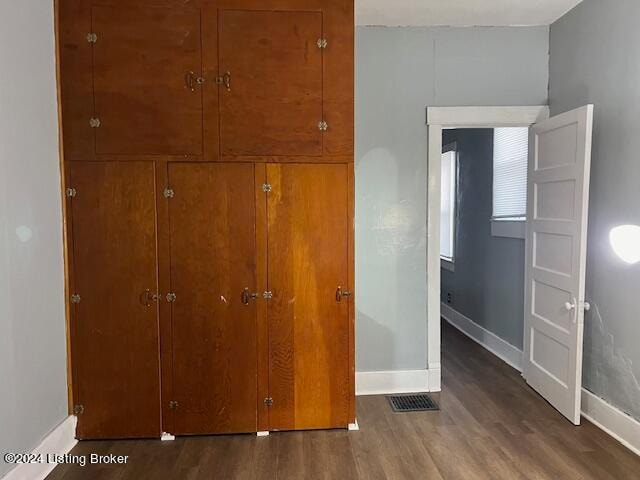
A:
[491,426]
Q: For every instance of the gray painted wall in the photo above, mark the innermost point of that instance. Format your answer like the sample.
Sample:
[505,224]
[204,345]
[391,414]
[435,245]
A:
[488,283]
[594,59]
[400,71]
[33,392]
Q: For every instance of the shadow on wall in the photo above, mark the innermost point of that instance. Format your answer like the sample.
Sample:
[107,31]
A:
[390,261]
[377,338]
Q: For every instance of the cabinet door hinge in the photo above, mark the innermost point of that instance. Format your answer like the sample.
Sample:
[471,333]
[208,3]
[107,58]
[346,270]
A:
[266,187]
[173,404]
[71,192]
[323,126]
[92,37]
[75,298]
[268,401]
[169,193]
[78,409]
[322,43]
[94,122]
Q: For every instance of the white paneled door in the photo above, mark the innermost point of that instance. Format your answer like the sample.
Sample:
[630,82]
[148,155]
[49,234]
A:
[556,244]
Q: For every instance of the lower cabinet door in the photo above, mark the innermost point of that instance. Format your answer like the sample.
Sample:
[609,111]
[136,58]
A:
[115,346]
[308,313]
[213,316]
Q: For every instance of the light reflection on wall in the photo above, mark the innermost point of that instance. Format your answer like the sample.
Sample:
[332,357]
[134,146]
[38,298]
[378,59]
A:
[625,241]
[24,233]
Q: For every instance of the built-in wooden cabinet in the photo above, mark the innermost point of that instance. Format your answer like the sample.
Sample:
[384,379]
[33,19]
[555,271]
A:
[208,151]
[226,80]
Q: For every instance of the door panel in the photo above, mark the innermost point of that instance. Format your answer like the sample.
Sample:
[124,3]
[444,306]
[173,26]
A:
[556,245]
[273,102]
[141,58]
[116,349]
[307,211]
[213,259]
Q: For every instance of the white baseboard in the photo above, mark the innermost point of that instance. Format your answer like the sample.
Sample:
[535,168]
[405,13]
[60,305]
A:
[396,381]
[496,345]
[435,376]
[60,441]
[615,422]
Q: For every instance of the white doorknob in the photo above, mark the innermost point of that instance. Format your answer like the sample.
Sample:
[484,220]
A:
[569,306]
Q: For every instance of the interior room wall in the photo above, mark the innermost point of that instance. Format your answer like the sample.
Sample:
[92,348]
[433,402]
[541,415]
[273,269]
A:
[594,59]
[487,285]
[399,72]
[33,392]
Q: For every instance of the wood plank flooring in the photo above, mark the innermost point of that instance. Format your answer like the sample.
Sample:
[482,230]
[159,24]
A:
[491,426]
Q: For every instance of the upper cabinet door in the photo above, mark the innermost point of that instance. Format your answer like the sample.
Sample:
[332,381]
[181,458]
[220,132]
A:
[146,63]
[271,92]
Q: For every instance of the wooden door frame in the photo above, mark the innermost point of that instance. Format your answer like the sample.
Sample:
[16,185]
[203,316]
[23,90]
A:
[439,119]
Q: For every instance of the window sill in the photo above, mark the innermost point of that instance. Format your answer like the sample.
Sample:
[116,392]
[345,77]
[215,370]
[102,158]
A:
[447,265]
[509,228]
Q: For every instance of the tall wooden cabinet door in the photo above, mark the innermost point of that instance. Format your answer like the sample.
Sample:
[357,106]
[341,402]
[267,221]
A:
[271,94]
[146,64]
[115,316]
[308,320]
[213,275]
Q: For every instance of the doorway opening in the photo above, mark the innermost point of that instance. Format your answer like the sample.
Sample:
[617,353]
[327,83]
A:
[555,209]
[482,235]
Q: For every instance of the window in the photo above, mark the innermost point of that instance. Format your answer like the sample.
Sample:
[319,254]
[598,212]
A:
[510,161]
[449,169]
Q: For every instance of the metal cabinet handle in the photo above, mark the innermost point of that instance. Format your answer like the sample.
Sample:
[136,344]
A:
[188,80]
[226,78]
[247,296]
[147,298]
[191,80]
[341,293]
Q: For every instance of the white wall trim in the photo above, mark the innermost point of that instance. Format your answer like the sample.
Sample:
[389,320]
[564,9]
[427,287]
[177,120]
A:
[456,117]
[461,117]
[433,246]
[489,340]
[447,265]
[435,376]
[615,422]
[60,441]
[396,381]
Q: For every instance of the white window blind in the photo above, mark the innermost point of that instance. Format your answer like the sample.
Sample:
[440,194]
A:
[447,205]
[510,154]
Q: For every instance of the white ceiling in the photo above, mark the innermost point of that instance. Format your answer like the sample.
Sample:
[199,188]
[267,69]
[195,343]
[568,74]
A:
[461,12]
